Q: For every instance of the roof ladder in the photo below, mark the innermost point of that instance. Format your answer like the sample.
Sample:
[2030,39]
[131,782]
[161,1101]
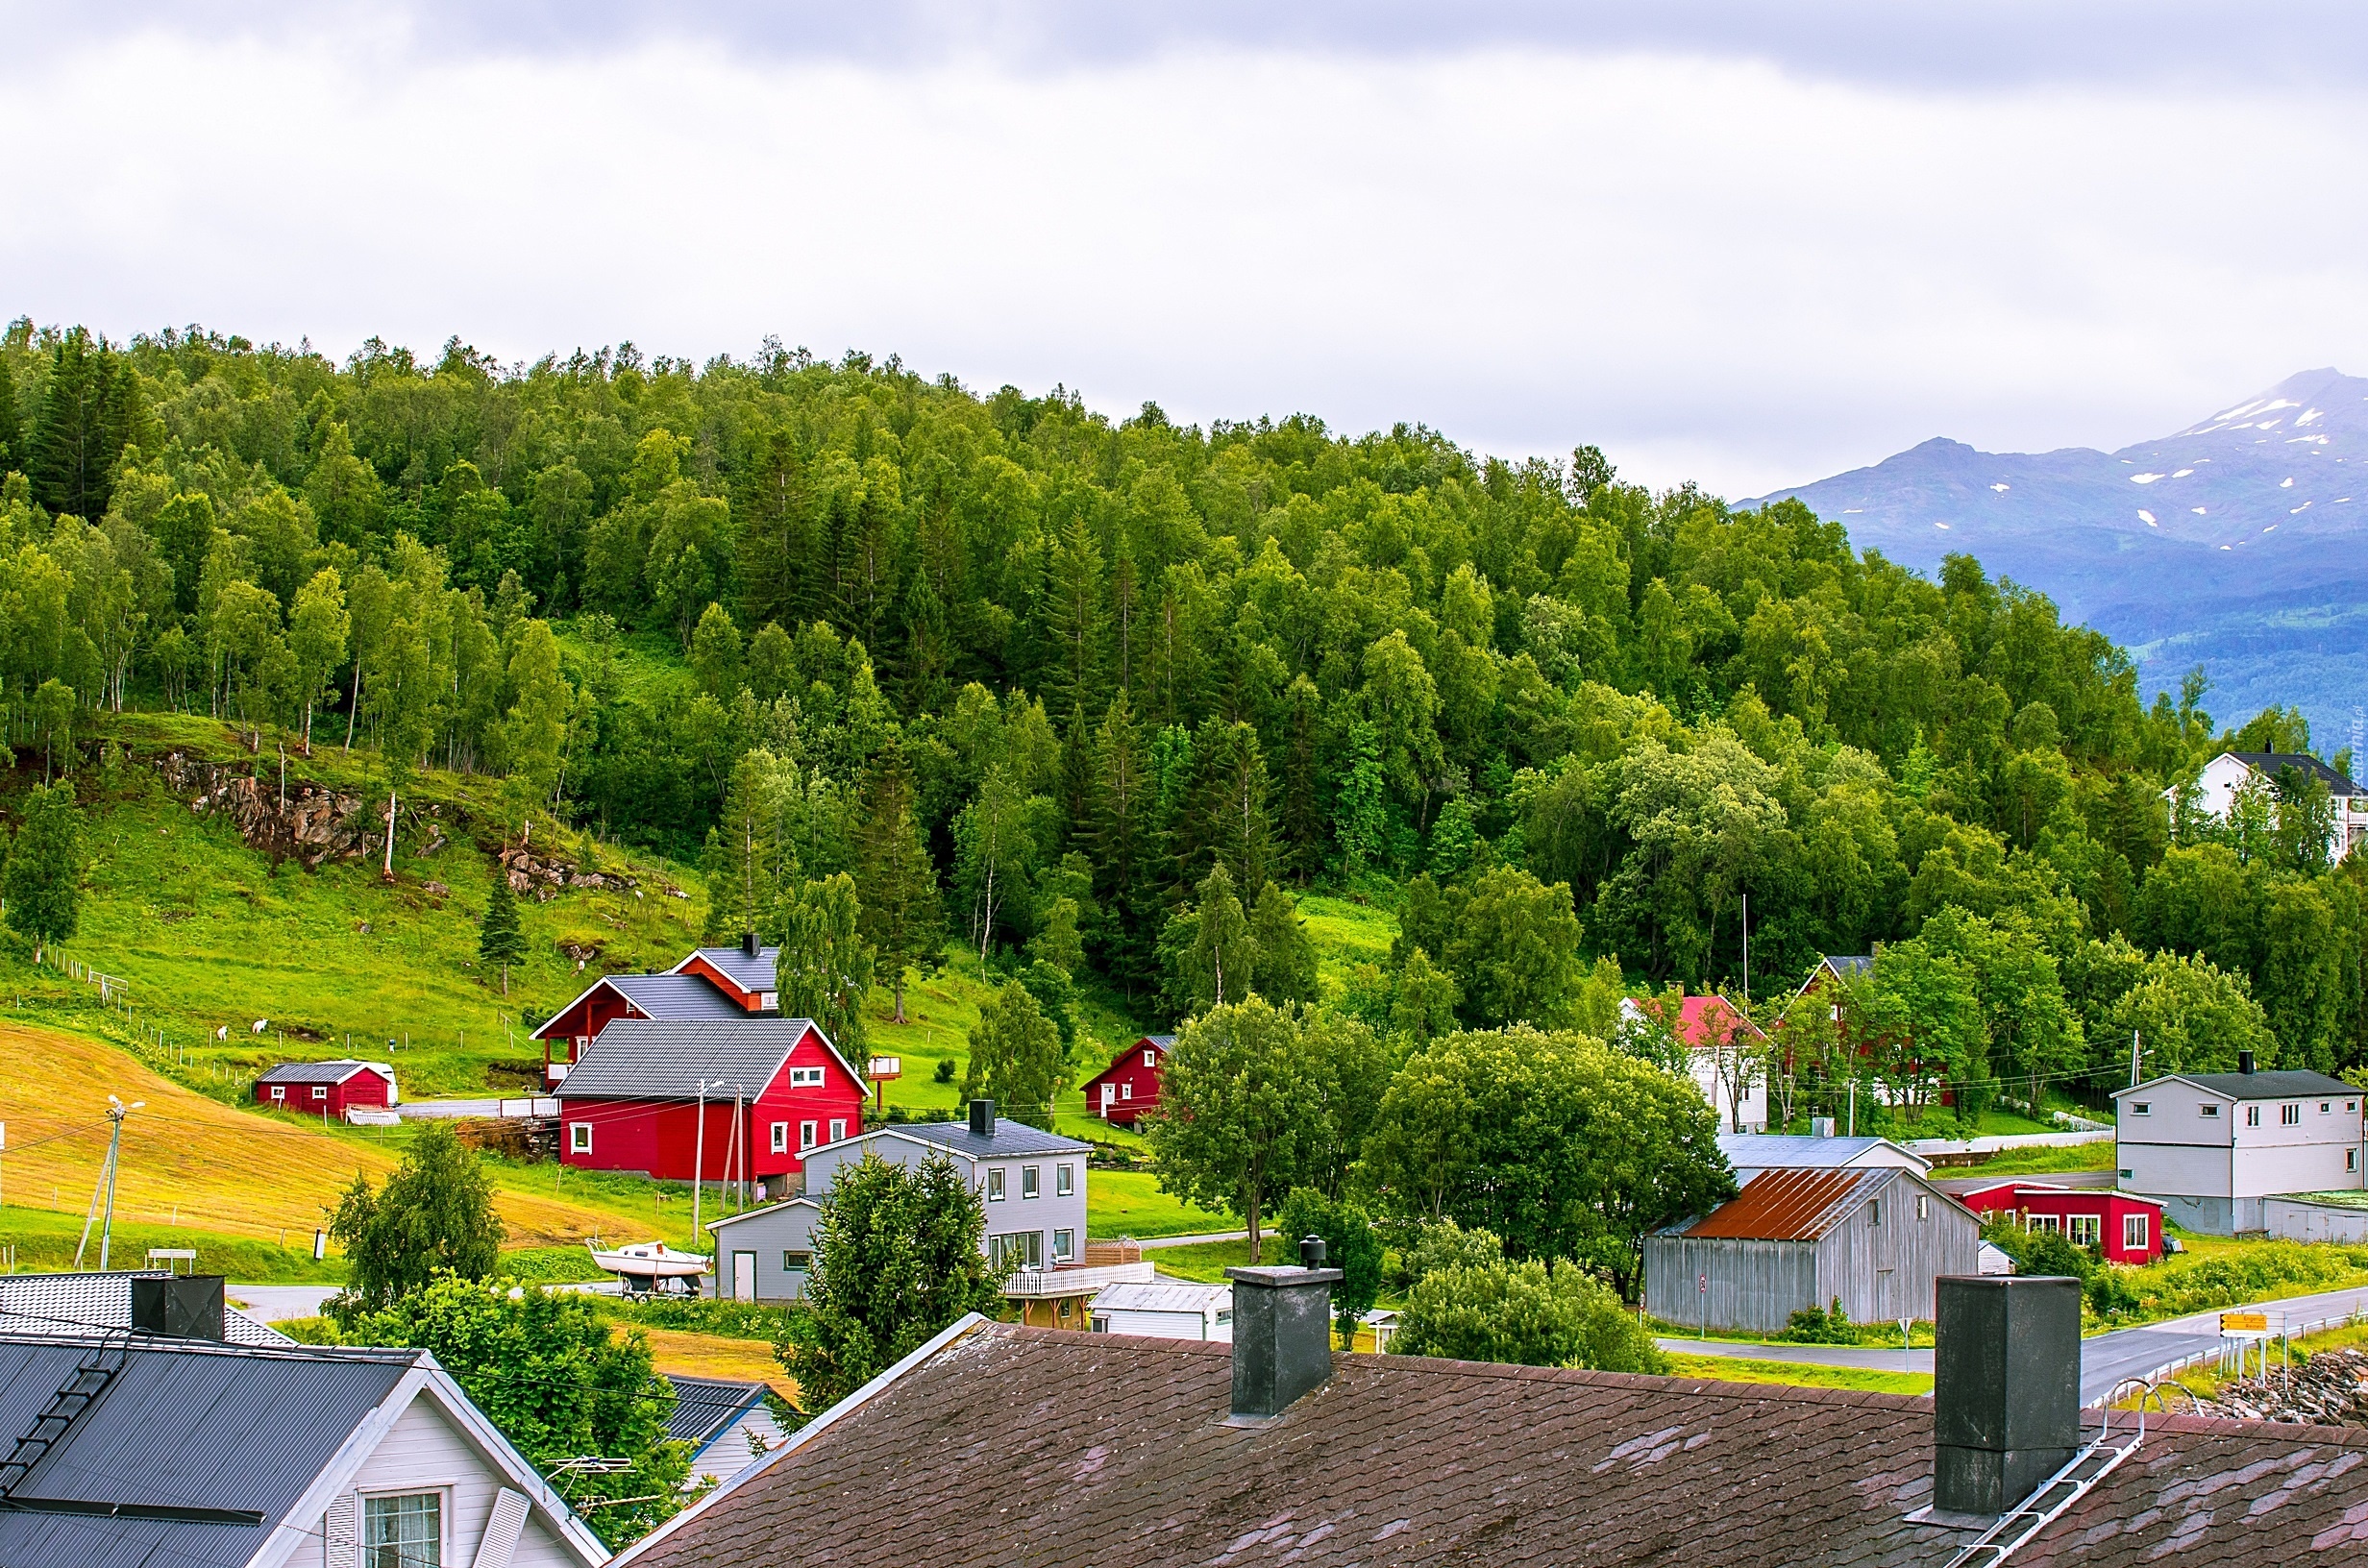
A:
[92,1376]
[2044,1506]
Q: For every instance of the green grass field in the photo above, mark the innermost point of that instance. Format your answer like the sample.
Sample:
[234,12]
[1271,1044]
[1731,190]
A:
[1799,1375]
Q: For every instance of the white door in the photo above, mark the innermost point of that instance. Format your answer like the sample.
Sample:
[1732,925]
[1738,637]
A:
[744,1276]
[1109,1094]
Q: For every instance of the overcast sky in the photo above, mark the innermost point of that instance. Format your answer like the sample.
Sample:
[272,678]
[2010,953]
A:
[1748,244]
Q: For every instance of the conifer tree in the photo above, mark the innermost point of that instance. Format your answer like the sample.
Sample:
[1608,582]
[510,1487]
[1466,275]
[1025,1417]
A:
[11,422]
[1076,618]
[824,968]
[84,418]
[1229,823]
[902,915]
[45,869]
[1125,879]
[499,941]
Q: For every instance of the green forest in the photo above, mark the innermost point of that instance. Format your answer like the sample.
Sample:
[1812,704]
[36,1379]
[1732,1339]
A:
[1103,695]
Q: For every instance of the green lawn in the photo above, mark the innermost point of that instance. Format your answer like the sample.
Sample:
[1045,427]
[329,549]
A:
[1130,1203]
[2039,1161]
[1799,1374]
[1345,933]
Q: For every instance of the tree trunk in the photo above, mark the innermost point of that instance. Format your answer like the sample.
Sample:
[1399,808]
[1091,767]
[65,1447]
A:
[352,705]
[900,994]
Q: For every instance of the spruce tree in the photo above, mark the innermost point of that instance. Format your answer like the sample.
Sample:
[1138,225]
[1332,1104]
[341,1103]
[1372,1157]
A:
[498,938]
[902,914]
[84,417]
[1125,880]
[45,869]
[11,422]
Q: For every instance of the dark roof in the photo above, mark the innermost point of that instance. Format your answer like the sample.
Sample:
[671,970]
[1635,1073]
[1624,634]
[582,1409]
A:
[671,996]
[665,1059]
[752,971]
[1011,1137]
[1790,1205]
[1165,1042]
[1852,965]
[1114,1451]
[2273,763]
[209,1426]
[94,1304]
[2291,1084]
[705,1408]
[321,1072]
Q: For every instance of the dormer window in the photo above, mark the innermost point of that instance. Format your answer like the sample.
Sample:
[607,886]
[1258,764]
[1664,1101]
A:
[1150,1059]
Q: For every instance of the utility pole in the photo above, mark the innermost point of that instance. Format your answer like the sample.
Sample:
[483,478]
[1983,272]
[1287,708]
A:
[2133,1059]
[1853,1108]
[1748,953]
[699,1161]
[116,1110]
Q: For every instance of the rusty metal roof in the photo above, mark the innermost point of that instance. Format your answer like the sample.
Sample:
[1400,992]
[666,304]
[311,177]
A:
[1790,1205]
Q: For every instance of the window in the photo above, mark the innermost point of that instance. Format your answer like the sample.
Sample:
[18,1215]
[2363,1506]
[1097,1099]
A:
[2142,1108]
[995,1185]
[279,1091]
[2325,1106]
[2351,1162]
[780,1138]
[1923,1205]
[1874,1210]
[838,1127]
[797,1262]
[2134,1233]
[320,1091]
[2289,1115]
[768,1001]
[2253,1115]
[405,1532]
[1127,1091]
[580,1138]
[2083,1229]
[2043,1222]
[2350,1105]
[1064,1245]
[1150,1059]
[1224,1316]
[1063,1180]
[2209,1113]
[1065,1304]
[1015,1250]
[806,1135]
[805,1077]
[1029,1187]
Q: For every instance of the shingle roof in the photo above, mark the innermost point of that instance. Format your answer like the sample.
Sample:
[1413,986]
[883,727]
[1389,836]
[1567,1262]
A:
[2292,1084]
[2273,763]
[1030,1445]
[321,1072]
[665,1059]
[1789,1204]
[753,972]
[704,1406]
[1011,1137]
[181,1425]
[75,1304]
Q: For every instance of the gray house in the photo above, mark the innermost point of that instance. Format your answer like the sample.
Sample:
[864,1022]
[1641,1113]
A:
[763,1254]
[1874,1239]
[1033,1180]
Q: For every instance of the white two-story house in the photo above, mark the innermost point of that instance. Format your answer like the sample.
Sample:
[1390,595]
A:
[2230,773]
[2212,1145]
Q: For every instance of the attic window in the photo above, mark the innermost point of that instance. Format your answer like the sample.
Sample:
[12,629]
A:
[1923,1207]
[2142,1108]
[805,1077]
[1150,1059]
[1874,1210]
[2209,1113]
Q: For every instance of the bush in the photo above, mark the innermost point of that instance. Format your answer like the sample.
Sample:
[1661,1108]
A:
[1821,1326]
[1525,1313]
[2110,1294]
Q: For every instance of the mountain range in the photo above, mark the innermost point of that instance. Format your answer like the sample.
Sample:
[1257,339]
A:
[2239,543]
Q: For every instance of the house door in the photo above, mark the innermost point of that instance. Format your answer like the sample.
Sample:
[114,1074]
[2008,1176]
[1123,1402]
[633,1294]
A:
[1109,1094]
[744,1276]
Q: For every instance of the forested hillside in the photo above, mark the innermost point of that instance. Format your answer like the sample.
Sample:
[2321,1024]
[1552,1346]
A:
[1040,672]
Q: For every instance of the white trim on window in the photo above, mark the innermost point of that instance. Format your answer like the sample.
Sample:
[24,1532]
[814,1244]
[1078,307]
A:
[404,1549]
[2134,1232]
[1063,1180]
[805,1077]
[780,1138]
[838,1127]
[580,1138]
[279,1091]
[995,1183]
[805,1137]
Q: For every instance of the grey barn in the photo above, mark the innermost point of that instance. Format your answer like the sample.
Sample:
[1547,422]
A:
[1874,1240]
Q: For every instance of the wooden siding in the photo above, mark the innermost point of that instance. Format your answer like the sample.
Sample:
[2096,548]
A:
[425,1452]
[1753,1284]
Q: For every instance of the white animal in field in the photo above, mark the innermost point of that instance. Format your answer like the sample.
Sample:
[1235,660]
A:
[223,1032]
[259,1024]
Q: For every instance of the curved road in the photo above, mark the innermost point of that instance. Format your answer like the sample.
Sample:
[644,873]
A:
[2106,1359]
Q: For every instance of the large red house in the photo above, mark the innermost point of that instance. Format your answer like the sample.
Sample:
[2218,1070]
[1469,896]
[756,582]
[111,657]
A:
[767,1090]
[1129,1086]
[316,1087]
[2123,1227]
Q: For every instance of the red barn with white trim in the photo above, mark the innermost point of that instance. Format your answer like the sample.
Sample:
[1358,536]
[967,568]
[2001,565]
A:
[775,1088]
[1129,1086]
[2123,1227]
[314,1087]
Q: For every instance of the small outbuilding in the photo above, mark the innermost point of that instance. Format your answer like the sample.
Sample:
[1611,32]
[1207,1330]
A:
[332,1086]
[765,1254]
[1875,1239]
[2122,1227]
[1129,1086]
[1166,1310]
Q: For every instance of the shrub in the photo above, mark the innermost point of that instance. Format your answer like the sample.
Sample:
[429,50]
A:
[1522,1312]
[1821,1326]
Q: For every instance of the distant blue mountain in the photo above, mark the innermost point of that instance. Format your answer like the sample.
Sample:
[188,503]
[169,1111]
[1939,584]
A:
[2240,544]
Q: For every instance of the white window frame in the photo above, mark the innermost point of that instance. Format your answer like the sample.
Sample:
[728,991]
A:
[1923,1205]
[1127,1091]
[2137,1233]
[2209,1110]
[1150,1057]
[768,1001]
[580,1138]
[806,1135]
[2084,1230]
[2142,1108]
[2289,1115]
[995,1183]
[2253,1115]
[2043,1224]
[2326,1107]
[2351,1162]
[805,1078]
[320,1091]
[1064,1245]
[279,1091]
[797,1260]
[367,1557]
[780,1138]
[838,1129]
[1031,1182]
[1063,1180]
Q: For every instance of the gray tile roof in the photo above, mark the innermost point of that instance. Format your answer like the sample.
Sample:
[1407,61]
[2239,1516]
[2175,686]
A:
[672,996]
[704,1406]
[752,970]
[665,1059]
[1852,965]
[190,1426]
[2290,1085]
[320,1072]
[2273,763]
[76,1304]
[1011,1137]
[1792,1151]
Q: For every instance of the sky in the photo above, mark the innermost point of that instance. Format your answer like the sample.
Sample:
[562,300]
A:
[1747,245]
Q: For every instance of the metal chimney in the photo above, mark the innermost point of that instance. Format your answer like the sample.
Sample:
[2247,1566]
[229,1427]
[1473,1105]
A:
[747,943]
[982,1119]
[2006,1389]
[1282,1333]
[2244,1062]
[189,1307]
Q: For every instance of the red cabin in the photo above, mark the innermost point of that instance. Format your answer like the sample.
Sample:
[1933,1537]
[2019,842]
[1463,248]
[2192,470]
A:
[332,1086]
[711,1099]
[1129,1086]
[742,974]
[671,998]
[2123,1227]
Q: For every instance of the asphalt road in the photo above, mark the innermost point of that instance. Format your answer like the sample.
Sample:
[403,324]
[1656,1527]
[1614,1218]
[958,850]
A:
[2107,1360]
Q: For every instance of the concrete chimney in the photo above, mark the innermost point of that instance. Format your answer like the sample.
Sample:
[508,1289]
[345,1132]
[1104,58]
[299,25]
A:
[982,1119]
[2006,1389]
[187,1307]
[1282,1333]
[2244,1062]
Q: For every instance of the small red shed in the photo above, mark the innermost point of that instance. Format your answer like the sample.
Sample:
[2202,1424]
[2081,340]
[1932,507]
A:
[633,1100]
[2123,1227]
[332,1086]
[1129,1086]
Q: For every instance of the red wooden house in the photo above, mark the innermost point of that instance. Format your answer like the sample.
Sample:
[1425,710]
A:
[773,1090]
[742,974]
[1129,1086]
[673,998]
[316,1087]
[2123,1227]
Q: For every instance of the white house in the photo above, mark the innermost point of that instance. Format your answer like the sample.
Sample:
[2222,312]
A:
[1166,1310]
[1751,1153]
[195,1451]
[2218,785]
[2212,1145]
[1722,1052]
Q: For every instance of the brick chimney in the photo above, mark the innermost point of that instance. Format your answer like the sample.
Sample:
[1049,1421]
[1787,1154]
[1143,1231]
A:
[2006,1389]
[1282,1333]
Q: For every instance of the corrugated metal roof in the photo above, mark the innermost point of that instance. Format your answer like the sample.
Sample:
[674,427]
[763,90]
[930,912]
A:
[704,1406]
[1789,1204]
[321,1072]
[665,1059]
[1011,1137]
[1793,1151]
[209,1426]
[75,1304]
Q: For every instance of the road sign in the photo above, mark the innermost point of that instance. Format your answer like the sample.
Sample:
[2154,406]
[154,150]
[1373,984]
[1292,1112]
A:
[2232,1323]
[1702,1284]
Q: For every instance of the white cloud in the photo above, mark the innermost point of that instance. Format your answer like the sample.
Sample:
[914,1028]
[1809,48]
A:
[1713,269]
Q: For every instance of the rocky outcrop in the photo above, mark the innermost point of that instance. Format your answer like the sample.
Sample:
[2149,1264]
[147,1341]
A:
[316,823]
[531,876]
[2331,1390]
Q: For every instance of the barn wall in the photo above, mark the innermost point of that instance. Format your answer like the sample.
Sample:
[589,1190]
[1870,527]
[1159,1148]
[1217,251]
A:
[1886,1271]
[1753,1284]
